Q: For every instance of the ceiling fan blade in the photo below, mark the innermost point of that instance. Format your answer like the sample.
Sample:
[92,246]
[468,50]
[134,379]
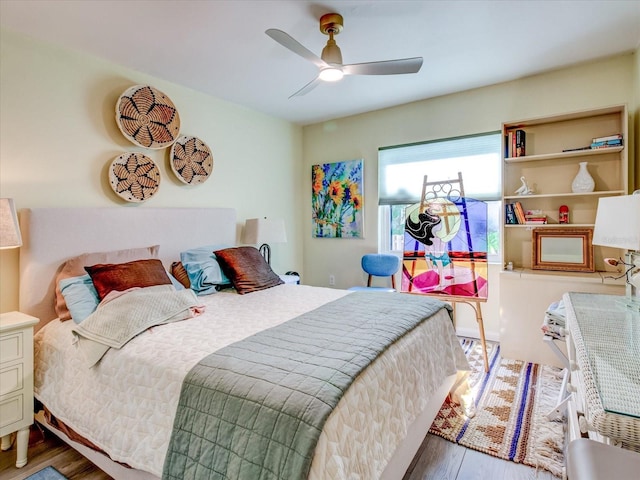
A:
[307,88]
[386,67]
[292,44]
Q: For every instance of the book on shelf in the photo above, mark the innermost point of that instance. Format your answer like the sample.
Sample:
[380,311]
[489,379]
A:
[607,143]
[535,217]
[510,143]
[617,136]
[510,214]
[517,207]
[520,143]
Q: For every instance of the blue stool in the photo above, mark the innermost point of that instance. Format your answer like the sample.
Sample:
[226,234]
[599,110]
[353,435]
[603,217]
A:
[379,265]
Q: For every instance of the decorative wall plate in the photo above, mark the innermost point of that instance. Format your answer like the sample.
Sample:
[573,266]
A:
[134,177]
[147,117]
[191,160]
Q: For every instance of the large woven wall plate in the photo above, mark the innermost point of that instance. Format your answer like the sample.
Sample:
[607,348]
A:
[147,117]
[134,177]
[191,160]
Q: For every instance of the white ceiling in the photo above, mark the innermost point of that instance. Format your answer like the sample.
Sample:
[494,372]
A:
[220,48]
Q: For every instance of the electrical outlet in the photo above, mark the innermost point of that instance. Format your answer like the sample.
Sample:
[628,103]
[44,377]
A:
[332,280]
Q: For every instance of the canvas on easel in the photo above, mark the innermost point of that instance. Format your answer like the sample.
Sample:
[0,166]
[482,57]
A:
[445,243]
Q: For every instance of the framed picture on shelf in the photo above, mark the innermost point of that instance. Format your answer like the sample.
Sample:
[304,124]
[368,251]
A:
[564,249]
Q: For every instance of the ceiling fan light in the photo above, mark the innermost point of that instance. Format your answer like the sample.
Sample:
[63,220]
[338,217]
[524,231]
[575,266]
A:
[331,74]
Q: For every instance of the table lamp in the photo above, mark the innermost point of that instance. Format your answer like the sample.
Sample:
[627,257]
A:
[264,231]
[618,226]
[9,228]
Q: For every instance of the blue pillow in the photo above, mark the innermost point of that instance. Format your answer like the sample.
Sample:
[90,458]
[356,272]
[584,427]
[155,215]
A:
[80,296]
[203,269]
[174,281]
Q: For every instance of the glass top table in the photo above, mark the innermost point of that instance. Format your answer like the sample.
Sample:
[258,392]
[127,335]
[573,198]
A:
[606,336]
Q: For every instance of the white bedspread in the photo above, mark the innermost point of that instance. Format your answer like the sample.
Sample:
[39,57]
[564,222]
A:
[126,403]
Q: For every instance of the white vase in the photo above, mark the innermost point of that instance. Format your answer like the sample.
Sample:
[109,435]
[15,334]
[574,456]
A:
[583,183]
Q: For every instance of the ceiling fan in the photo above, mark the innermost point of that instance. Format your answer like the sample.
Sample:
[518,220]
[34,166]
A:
[330,62]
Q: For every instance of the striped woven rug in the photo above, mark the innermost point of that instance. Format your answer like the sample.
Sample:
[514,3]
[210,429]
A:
[511,402]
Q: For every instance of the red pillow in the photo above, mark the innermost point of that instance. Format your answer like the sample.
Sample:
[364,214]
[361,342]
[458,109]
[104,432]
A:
[122,276]
[74,267]
[247,269]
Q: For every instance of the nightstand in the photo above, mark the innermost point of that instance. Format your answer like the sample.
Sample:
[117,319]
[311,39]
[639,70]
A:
[16,381]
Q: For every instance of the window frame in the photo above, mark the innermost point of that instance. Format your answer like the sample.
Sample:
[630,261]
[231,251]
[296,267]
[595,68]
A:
[494,202]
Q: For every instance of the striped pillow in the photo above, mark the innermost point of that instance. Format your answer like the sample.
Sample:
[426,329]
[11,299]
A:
[180,274]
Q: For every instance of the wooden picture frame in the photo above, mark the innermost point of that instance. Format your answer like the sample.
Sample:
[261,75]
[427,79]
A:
[564,249]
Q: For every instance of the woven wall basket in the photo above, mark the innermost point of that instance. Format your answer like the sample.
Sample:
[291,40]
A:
[134,177]
[191,160]
[147,117]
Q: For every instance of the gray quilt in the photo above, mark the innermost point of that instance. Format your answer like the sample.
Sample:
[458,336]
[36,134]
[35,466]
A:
[254,410]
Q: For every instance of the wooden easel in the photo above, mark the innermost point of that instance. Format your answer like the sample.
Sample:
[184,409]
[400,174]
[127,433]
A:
[449,190]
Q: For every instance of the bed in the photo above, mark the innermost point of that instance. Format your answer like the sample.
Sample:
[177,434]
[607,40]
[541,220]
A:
[126,404]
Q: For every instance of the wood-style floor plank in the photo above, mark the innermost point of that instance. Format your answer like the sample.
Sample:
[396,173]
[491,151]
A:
[46,449]
[480,466]
[437,459]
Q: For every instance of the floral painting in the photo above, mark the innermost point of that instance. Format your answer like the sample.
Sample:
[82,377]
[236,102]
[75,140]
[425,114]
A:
[336,200]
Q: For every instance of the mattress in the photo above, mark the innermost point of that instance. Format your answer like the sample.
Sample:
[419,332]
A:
[126,404]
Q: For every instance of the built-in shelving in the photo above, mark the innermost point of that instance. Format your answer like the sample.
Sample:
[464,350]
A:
[549,171]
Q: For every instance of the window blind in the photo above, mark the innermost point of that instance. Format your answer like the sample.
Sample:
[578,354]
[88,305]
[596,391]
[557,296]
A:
[401,169]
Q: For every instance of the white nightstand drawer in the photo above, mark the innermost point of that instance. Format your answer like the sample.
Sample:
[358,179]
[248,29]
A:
[11,411]
[11,347]
[11,379]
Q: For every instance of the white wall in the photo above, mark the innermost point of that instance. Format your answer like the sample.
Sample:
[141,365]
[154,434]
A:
[58,136]
[585,86]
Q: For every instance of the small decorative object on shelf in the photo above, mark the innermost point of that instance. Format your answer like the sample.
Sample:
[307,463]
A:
[563,214]
[525,189]
[583,181]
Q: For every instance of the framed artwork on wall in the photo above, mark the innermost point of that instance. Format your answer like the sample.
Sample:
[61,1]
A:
[336,199]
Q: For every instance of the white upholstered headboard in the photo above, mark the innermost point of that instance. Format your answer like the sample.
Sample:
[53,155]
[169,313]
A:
[52,235]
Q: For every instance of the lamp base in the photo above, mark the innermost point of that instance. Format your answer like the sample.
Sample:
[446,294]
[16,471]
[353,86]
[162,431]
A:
[632,293]
[265,250]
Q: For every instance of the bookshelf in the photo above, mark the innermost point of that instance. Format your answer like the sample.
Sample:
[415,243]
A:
[549,171]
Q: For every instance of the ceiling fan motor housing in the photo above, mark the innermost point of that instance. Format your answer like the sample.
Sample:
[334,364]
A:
[331,24]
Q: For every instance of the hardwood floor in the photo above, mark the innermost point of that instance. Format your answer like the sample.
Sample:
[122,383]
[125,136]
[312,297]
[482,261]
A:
[46,449]
[437,459]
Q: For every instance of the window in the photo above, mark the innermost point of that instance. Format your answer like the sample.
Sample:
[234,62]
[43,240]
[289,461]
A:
[401,170]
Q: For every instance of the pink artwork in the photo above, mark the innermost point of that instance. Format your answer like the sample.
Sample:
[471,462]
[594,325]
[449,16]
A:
[445,248]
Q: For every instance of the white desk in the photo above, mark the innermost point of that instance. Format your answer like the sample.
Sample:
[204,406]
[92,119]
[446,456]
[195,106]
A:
[604,353]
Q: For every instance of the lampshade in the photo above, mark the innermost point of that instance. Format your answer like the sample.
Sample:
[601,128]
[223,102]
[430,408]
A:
[618,222]
[264,230]
[9,228]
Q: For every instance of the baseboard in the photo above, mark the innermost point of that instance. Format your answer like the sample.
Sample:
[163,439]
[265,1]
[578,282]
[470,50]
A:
[473,333]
